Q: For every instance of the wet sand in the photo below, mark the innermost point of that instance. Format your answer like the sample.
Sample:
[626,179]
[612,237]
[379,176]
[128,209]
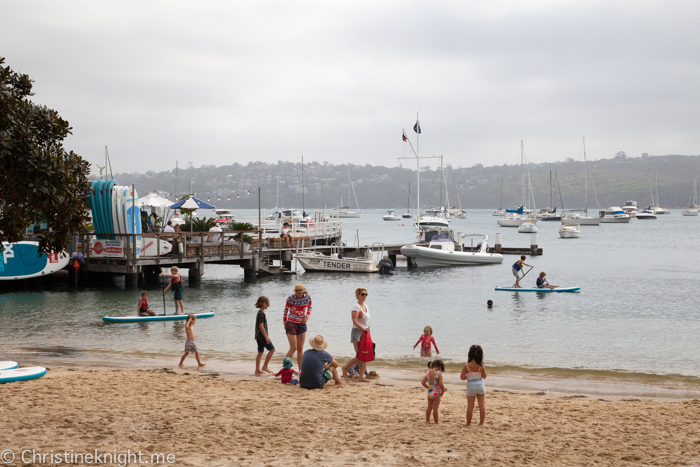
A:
[210,419]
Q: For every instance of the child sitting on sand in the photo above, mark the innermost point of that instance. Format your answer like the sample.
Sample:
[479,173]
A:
[142,308]
[426,341]
[262,337]
[432,381]
[190,346]
[286,370]
[475,373]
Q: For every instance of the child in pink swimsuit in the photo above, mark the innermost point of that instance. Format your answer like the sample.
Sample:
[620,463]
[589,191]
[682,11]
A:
[432,381]
[426,342]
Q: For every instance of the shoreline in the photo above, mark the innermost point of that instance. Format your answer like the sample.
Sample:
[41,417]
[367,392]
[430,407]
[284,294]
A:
[521,381]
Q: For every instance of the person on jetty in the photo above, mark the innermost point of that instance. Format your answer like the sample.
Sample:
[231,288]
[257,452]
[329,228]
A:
[319,367]
[190,345]
[517,267]
[262,337]
[142,309]
[296,313]
[432,381]
[176,284]
[360,323]
[426,342]
[287,371]
[284,233]
[542,282]
[475,374]
[215,233]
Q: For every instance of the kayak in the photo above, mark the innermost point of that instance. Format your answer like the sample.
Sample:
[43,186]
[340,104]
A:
[138,319]
[8,365]
[537,289]
[21,374]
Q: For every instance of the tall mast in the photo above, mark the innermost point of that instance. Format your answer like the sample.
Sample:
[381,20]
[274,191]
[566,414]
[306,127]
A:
[585,174]
[442,172]
[176,163]
[303,208]
[277,201]
[551,202]
[418,166]
[349,184]
[522,173]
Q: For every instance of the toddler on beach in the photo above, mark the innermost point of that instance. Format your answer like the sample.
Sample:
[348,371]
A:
[286,370]
[475,373]
[426,341]
[142,308]
[190,346]
[432,381]
[262,337]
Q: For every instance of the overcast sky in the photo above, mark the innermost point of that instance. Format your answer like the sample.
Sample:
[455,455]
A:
[217,82]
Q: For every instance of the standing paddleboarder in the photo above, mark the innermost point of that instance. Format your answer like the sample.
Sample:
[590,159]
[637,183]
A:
[517,267]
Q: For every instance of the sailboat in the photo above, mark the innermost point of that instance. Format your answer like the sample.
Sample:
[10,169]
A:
[551,214]
[657,208]
[344,212]
[461,214]
[500,211]
[692,209]
[408,204]
[572,216]
[521,215]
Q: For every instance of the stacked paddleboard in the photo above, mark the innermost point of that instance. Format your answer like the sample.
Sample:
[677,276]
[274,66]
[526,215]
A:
[23,260]
[115,210]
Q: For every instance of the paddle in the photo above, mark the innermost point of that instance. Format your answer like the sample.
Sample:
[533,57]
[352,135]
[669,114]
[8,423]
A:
[161,283]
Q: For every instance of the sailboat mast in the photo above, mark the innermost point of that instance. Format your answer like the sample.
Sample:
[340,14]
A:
[585,174]
[176,163]
[418,166]
[442,172]
[551,202]
[303,207]
[349,185]
[522,173]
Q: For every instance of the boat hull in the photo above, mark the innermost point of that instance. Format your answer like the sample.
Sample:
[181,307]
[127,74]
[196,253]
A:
[569,234]
[535,289]
[615,220]
[506,222]
[323,263]
[427,257]
[348,215]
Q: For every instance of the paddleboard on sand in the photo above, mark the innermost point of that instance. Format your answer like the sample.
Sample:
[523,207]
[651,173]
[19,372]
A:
[8,365]
[536,289]
[22,374]
[138,319]
[22,260]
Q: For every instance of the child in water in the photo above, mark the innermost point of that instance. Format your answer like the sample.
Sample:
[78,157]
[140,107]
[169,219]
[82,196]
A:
[517,267]
[262,337]
[426,341]
[142,308]
[489,303]
[190,346]
[176,284]
[432,381]
[287,372]
[475,373]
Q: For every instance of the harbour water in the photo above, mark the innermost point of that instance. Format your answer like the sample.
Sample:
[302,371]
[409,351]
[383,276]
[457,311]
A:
[634,320]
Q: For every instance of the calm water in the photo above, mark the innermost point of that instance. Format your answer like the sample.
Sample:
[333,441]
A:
[636,314]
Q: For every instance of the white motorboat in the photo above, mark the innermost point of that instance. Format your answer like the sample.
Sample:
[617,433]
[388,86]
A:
[499,212]
[570,231]
[645,215]
[461,215]
[631,208]
[443,251]
[570,217]
[224,217]
[527,227]
[432,219]
[391,216]
[614,215]
[690,211]
[515,219]
[335,262]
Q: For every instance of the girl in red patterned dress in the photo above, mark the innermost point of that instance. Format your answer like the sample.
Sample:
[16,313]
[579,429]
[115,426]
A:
[426,341]
[296,313]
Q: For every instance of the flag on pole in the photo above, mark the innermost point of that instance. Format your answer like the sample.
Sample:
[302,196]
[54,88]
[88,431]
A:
[404,137]
[416,127]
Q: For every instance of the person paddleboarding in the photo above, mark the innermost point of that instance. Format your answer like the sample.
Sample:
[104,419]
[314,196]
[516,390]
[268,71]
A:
[517,267]
[542,282]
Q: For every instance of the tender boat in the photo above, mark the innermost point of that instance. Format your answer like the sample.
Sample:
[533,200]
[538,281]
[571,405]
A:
[335,262]
[614,215]
[443,251]
[570,231]
[645,215]
[527,227]
[390,216]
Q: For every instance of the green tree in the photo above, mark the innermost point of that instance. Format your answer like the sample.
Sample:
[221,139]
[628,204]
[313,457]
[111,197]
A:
[39,180]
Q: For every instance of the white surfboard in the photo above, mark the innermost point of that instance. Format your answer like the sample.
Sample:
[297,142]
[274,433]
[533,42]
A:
[8,365]
[150,247]
[21,374]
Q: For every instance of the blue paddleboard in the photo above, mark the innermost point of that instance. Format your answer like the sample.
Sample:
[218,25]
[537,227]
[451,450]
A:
[21,374]
[138,319]
[22,260]
[536,289]
[8,365]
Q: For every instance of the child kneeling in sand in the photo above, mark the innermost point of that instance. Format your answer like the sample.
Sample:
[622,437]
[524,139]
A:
[287,372]
[475,373]
[432,381]
[190,346]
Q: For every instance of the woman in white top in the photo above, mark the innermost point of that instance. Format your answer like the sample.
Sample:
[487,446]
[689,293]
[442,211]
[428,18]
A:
[360,323]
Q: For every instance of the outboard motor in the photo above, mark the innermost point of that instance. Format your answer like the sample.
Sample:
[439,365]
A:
[385,266]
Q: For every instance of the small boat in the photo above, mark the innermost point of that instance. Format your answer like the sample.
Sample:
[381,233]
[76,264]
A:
[390,216]
[614,215]
[138,319]
[537,289]
[527,227]
[443,251]
[645,215]
[461,215]
[407,215]
[335,262]
[570,231]
[499,212]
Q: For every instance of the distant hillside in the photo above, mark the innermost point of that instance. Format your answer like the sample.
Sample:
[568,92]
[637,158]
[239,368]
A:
[616,180]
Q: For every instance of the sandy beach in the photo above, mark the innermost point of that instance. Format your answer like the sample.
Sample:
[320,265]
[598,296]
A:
[211,419]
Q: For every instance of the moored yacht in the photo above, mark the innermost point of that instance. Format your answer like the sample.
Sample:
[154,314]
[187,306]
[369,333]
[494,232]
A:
[573,217]
[631,208]
[614,215]
[645,215]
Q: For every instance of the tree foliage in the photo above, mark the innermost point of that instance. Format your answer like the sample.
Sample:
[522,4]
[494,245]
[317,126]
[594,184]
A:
[39,180]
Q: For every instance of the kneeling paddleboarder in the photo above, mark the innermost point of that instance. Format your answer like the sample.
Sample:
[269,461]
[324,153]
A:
[542,282]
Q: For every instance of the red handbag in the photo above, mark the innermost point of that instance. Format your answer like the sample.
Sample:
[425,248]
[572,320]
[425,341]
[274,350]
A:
[365,352]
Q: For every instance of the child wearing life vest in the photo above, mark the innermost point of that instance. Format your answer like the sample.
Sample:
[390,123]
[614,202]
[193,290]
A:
[142,309]
[176,284]
[542,282]
[426,342]
[432,381]
[517,267]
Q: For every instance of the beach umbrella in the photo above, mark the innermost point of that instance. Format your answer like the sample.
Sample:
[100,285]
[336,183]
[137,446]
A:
[193,201]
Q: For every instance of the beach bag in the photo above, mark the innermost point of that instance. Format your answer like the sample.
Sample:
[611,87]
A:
[365,349]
